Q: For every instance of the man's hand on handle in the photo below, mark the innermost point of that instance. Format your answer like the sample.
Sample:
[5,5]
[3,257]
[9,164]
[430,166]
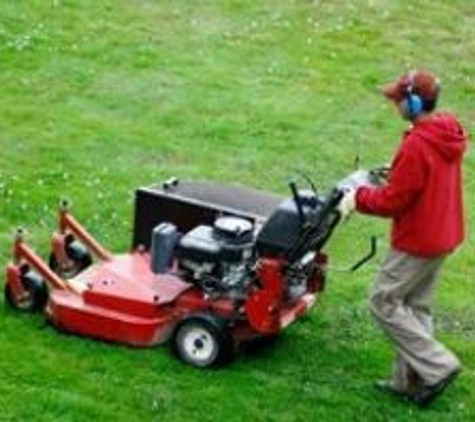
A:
[347,204]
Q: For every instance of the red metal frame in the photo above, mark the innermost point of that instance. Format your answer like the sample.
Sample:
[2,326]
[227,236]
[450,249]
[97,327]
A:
[68,224]
[23,254]
[13,277]
[266,309]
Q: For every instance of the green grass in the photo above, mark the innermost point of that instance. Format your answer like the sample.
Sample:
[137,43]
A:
[100,97]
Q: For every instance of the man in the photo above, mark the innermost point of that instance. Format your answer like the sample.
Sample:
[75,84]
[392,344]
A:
[423,198]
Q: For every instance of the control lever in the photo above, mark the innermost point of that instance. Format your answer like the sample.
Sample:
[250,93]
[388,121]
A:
[358,264]
[367,257]
[298,202]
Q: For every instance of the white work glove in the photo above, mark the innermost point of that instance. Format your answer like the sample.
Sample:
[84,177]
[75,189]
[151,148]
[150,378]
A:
[347,204]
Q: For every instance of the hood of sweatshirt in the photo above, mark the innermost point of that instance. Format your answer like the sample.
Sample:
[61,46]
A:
[444,134]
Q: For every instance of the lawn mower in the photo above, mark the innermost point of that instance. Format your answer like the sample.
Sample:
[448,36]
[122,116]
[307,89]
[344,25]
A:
[211,266]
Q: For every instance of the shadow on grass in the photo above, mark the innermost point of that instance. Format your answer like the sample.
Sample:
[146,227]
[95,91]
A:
[259,348]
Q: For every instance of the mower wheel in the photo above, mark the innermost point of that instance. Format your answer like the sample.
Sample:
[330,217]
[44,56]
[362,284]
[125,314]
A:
[79,256]
[35,297]
[203,341]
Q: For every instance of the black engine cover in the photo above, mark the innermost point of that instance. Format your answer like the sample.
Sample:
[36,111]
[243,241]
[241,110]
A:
[199,245]
[280,231]
[284,227]
[207,244]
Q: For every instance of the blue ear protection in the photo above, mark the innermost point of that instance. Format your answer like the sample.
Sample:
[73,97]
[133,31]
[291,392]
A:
[414,101]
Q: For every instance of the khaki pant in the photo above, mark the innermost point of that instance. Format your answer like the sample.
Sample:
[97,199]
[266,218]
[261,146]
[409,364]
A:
[401,304]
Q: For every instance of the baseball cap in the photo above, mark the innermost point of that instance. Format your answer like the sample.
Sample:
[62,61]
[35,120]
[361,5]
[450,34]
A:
[421,82]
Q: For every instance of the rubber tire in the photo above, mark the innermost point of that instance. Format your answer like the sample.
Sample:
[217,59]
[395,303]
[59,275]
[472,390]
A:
[78,254]
[208,328]
[34,284]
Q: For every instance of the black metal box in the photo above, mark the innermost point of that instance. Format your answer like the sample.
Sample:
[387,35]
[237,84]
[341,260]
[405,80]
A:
[189,204]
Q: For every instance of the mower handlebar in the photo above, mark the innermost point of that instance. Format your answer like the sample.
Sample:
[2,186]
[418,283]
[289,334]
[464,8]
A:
[318,227]
[298,202]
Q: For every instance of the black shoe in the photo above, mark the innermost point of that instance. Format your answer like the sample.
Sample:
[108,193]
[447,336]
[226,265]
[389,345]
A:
[429,393]
[387,387]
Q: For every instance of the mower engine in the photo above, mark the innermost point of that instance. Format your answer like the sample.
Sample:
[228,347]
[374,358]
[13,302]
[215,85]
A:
[218,258]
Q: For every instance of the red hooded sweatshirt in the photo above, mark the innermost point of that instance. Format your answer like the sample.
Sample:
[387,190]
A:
[423,195]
